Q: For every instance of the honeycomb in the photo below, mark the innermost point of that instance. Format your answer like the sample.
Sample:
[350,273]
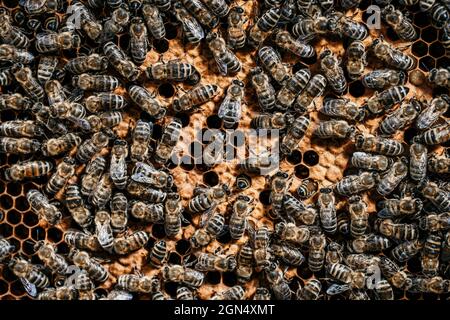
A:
[323,161]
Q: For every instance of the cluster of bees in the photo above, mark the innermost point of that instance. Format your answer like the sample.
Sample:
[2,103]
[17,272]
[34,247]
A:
[111,187]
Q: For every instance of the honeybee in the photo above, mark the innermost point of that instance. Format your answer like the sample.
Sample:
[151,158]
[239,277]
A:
[94,269]
[340,23]
[330,66]
[26,80]
[439,77]
[14,101]
[173,70]
[149,212]
[213,262]
[47,254]
[144,99]
[264,90]
[59,293]
[135,283]
[258,164]
[392,56]
[102,191]
[437,135]
[181,274]
[55,95]
[193,31]
[43,117]
[436,285]
[308,28]
[418,161]
[399,23]
[438,164]
[213,151]
[46,67]
[218,7]
[356,59]
[118,166]
[197,96]
[445,255]
[242,208]
[88,23]
[203,15]
[338,129]
[343,108]
[76,206]
[120,61]
[439,197]
[29,169]
[278,283]
[92,175]
[311,290]
[64,171]
[95,82]
[406,250]
[291,233]
[82,240]
[291,88]
[84,285]
[115,24]
[392,178]
[119,215]
[74,112]
[327,210]
[382,78]
[393,273]
[19,145]
[6,249]
[279,183]
[10,34]
[144,192]
[269,121]
[358,216]
[211,226]
[370,162]
[29,275]
[226,60]
[351,279]
[168,141]
[398,231]
[435,222]
[396,208]
[244,267]
[50,42]
[314,89]
[147,174]
[369,143]
[298,211]
[288,254]
[230,109]
[84,64]
[440,15]
[105,101]
[103,230]
[236,32]
[284,40]
[154,21]
[437,107]
[369,243]
[316,258]
[361,261]
[271,60]
[140,148]
[233,293]
[92,146]
[158,254]
[139,41]
[260,239]
[184,293]
[172,217]
[11,53]
[39,7]
[263,27]
[133,242]
[400,118]
[294,135]
[5,77]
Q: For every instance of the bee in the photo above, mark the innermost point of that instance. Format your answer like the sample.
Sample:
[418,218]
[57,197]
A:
[84,285]
[29,274]
[400,118]
[370,162]
[92,175]
[213,151]
[144,192]
[73,112]
[193,31]
[158,254]
[439,77]
[43,117]
[418,161]
[271,60]
[294,135]
[94,269]
[135,283]
[440,15]
[236,32]
[435,222]
[339,129]
[233,293]
[95,82]
[288,254]
[343,108]
[260,239]
[64,171]
[277,282]
[358,216]
[5,77]
[395,175]
[351,279]
[243,182]
[12,35]
[316,258]
[393,273]
[309,28]
[133,242]
[82,240]
[291,233]
[146,174]
[52,41]
[230,109]
[392,56]
[434,285]
[369,143]
[92,146]
[47,254]
[298,211]
[438,106]
[119,215]
[226,60]
[242,208]
[30,85]
[361,261]
[195,97]
[118,166]
[291,88]
[39,7]
[6,249]
[115,24]
[264,25]
[11,53]
[40,205]
[59,293]
[173,70]
[201,13]
[88,23]
[269,121]
[348,27]
[436,135]
[258,164]
[168,141]
[154,21]
[280,183]
[314,89]
[406,250]
[327,210]
[264,90]
[120,61]
[75,204]
[261,294]
[311,290]
[14,101]
[426,5]
[213,262]
[383,78]
[398,231]
[46,68]
[55,95]
[102,191]
[334,253]
[218,7]
[330,66]
[356,59]
[210,228]
[439,197]
[383,290]
[84,64]
[105,101]
[144,99]
[184,293]
[139,41]
[396,208]
[19,145]
[104,120]
[369,243]
[438,164]
[181,274]
[284,40]
[172,218]
[103,230]
[157,293]
[149,212]
[343,224]
[29,169]
[399,23]
[244,267]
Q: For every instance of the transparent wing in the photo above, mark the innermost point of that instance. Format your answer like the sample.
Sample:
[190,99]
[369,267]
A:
[223,68]
[335,289]
[29,287]
[224,106]
[194,28]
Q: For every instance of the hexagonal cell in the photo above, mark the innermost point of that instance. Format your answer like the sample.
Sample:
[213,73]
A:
[63,248]
[437,49]
[6,230]
[182,247]
[174,258]
[301,171]
[214,122]
[211,178]
[30,219]
[171,31]
[158,231]
[38,233]
[264,197]
[16,288]
[213,277]
[427,63]
[311,158]
[54,235]
[22,204]
[356,89]
[187,163]
[295,157]
[28,247]
[419,49]
[443,62]
[8,275]
[6,202]
[21,231]
[14,188]
[429,34]
[421,19]
[13,217]
[166,90]
[229,278]
[160,46]
[3,287]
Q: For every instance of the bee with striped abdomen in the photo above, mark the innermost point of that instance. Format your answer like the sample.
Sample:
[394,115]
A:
[154,21]
[400,118]
[288,254]
[439,197]
[399,23]
[172,217]
[260,241]
[375,144]
[130,243]
[10,34]
[276,120]
[244,267]
[19,145]
[236,32]
[353,184]
[119,60]
[173,70]
[370,162]
[226,60]
[64,171]
[75,204]
[29,275]
[327,210]
[338,129]
[271,61]
[195,97]
[397,231]
[294,135]
[311,290]
[369,243]
[182,274]
[148,212]
[28,82]
[52,41]
[296,210]
[46,67]
[11,53]
[146,101]
[280,183]
[97,82]
[219,8]
[383,78]
[314,89]
[397,208]
[201,13]
[436,135]
[119,212]
[264,89]
[330,66]
[356,59]
[29,169]
[343,108]
[391,55]
[147,174]
[211,226]
[392,272]
[84,64]
[233,293]
[291,88]
[392,178]
[230,109]
[291,233]
[168,141]
[139,149]
[135,283]
[139,43]
[436,108]
[95,270]
[47,254]
[359,217]
[118,165]
[40,205]
[242,208]
[263,26]
[418,161]
[215,262]
[92,146]
[102,191]
[284,40]
[158,254]
[6,249]
[193,31]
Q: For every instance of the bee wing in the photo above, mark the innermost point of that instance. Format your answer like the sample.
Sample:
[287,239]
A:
[224,106]
[121,295]
[335,289]
[194,28]
[103,232]
[29,287]
[141,178]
